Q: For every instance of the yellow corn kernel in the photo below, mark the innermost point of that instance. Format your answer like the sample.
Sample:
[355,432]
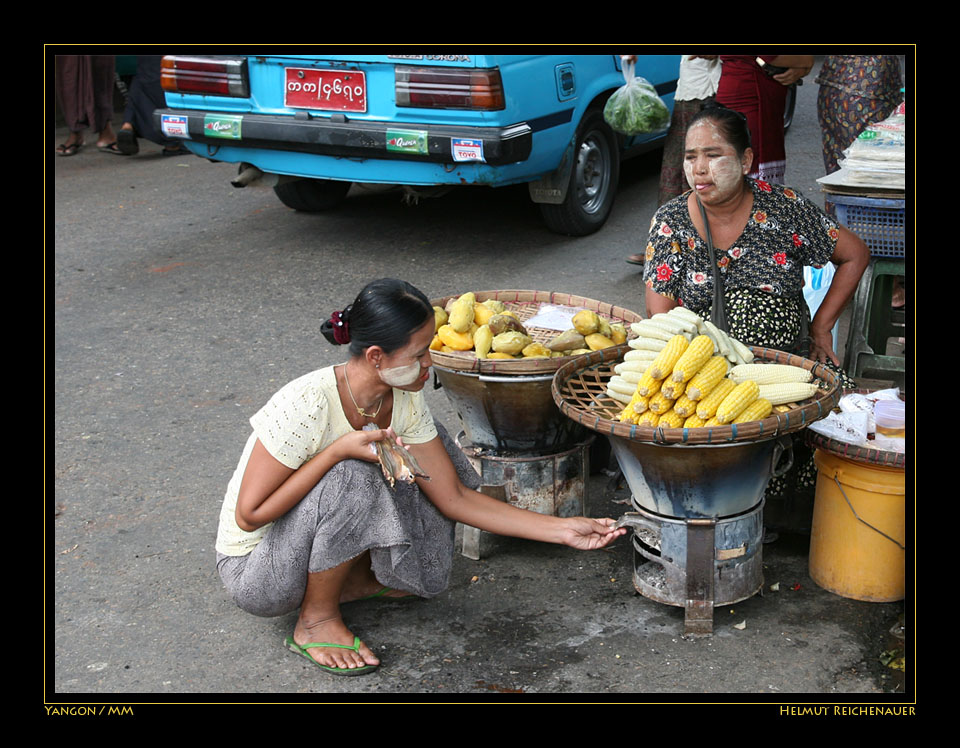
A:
[698,353]
[707,378]
[671,389]
[670,420]
[659,403]
[693,422]
[756,411]
[739,398]
[707,407]
[685,406]
[712,422]
[667,358]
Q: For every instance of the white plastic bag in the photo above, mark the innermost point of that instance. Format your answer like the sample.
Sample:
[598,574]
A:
[635,108]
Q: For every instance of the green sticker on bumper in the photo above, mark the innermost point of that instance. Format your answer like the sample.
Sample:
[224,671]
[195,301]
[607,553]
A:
[222,126]
[407,141]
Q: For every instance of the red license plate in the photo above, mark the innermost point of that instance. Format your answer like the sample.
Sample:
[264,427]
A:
[335,90]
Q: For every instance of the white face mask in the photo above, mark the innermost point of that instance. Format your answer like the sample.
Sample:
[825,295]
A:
[400,376]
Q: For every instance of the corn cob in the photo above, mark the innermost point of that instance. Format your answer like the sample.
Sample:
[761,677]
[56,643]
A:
[647,329]
[648,385]
[789,392]
[712,422]
[618,384]
[707,378]
[685,406]
[659,403]
[770,373]
[756,411]
[639,403]
[707,407]
[613,394]
[664,363]
[672,389]
[641,354]
[628,415]
[670,420]
[673,324]
[739,398]
[693,422]
[648,418]
[694,357]
[647,344]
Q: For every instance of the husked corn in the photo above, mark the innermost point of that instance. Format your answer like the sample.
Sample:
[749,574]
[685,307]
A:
[694,357]
[672,389]
[788,392]
[707,407]
[648,418]
[739,398]
[648,385]
[693,421]
[770,373]
[756,411]
[663,364]
[685,406]
[707,378]
[670,420]
[659,403]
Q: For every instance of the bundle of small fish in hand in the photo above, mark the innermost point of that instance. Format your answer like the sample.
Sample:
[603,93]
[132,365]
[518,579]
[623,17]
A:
[396,462]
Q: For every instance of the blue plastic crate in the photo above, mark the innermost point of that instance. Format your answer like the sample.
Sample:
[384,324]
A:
[878,221]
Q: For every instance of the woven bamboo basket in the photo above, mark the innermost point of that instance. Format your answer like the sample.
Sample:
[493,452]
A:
[526,304]
[857,453]
[579,390]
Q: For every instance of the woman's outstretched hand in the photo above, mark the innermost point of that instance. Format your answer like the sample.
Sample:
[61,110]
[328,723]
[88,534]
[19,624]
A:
[588,534]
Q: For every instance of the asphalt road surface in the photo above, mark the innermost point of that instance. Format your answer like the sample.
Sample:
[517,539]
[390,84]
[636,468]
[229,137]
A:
[180,304]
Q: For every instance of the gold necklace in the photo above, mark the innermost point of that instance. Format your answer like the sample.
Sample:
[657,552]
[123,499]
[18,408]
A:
[360,410]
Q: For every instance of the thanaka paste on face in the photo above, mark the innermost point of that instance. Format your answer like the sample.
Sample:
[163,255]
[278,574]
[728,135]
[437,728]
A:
[725,171]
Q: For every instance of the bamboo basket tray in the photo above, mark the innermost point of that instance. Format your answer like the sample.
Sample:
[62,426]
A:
[855,452]
[525,304]
[579,390]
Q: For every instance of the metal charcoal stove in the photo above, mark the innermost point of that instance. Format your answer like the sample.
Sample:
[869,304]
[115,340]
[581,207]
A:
[697,493]
[525,450]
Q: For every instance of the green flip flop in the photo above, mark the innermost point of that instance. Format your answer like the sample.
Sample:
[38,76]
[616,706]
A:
[383,593]
[294,647]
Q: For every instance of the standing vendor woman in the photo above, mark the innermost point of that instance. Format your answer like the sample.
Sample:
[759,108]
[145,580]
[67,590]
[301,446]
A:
[762,235]
[308,521]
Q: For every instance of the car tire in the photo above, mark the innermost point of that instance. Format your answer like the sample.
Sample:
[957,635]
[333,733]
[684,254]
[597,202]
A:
[312,195]
[789,107]
[593,180]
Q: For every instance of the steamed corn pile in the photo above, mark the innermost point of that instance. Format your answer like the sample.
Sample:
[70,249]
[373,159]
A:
[492,331]
[684,372]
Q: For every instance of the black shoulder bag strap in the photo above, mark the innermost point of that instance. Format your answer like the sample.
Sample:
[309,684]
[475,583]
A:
[718,315]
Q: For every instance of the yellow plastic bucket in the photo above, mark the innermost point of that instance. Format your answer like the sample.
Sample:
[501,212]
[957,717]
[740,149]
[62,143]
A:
[857,539]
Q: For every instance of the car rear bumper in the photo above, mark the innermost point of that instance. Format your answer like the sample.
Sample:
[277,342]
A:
[342,137]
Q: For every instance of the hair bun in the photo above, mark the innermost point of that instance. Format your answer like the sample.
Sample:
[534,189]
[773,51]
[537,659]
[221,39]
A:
[336,329]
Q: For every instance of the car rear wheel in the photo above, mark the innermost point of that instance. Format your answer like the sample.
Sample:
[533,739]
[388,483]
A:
[593,180]
[312,195]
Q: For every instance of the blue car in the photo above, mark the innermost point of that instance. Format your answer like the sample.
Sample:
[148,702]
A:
[318,123]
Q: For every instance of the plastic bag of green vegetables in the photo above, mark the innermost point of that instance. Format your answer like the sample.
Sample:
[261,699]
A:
[635,108]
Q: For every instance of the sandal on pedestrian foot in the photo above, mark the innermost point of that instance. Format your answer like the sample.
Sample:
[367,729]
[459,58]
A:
[302,650]
[68,149]
[127,142]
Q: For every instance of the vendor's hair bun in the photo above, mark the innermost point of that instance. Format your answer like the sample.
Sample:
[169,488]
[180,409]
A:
[385,313]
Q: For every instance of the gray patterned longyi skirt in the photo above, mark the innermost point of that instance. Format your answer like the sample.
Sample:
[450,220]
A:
[350,511]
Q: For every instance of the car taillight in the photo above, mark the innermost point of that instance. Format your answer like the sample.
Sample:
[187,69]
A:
[449,88]
[219,76]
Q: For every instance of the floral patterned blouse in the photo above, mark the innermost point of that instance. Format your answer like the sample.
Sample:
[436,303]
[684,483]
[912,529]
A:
[785,232]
